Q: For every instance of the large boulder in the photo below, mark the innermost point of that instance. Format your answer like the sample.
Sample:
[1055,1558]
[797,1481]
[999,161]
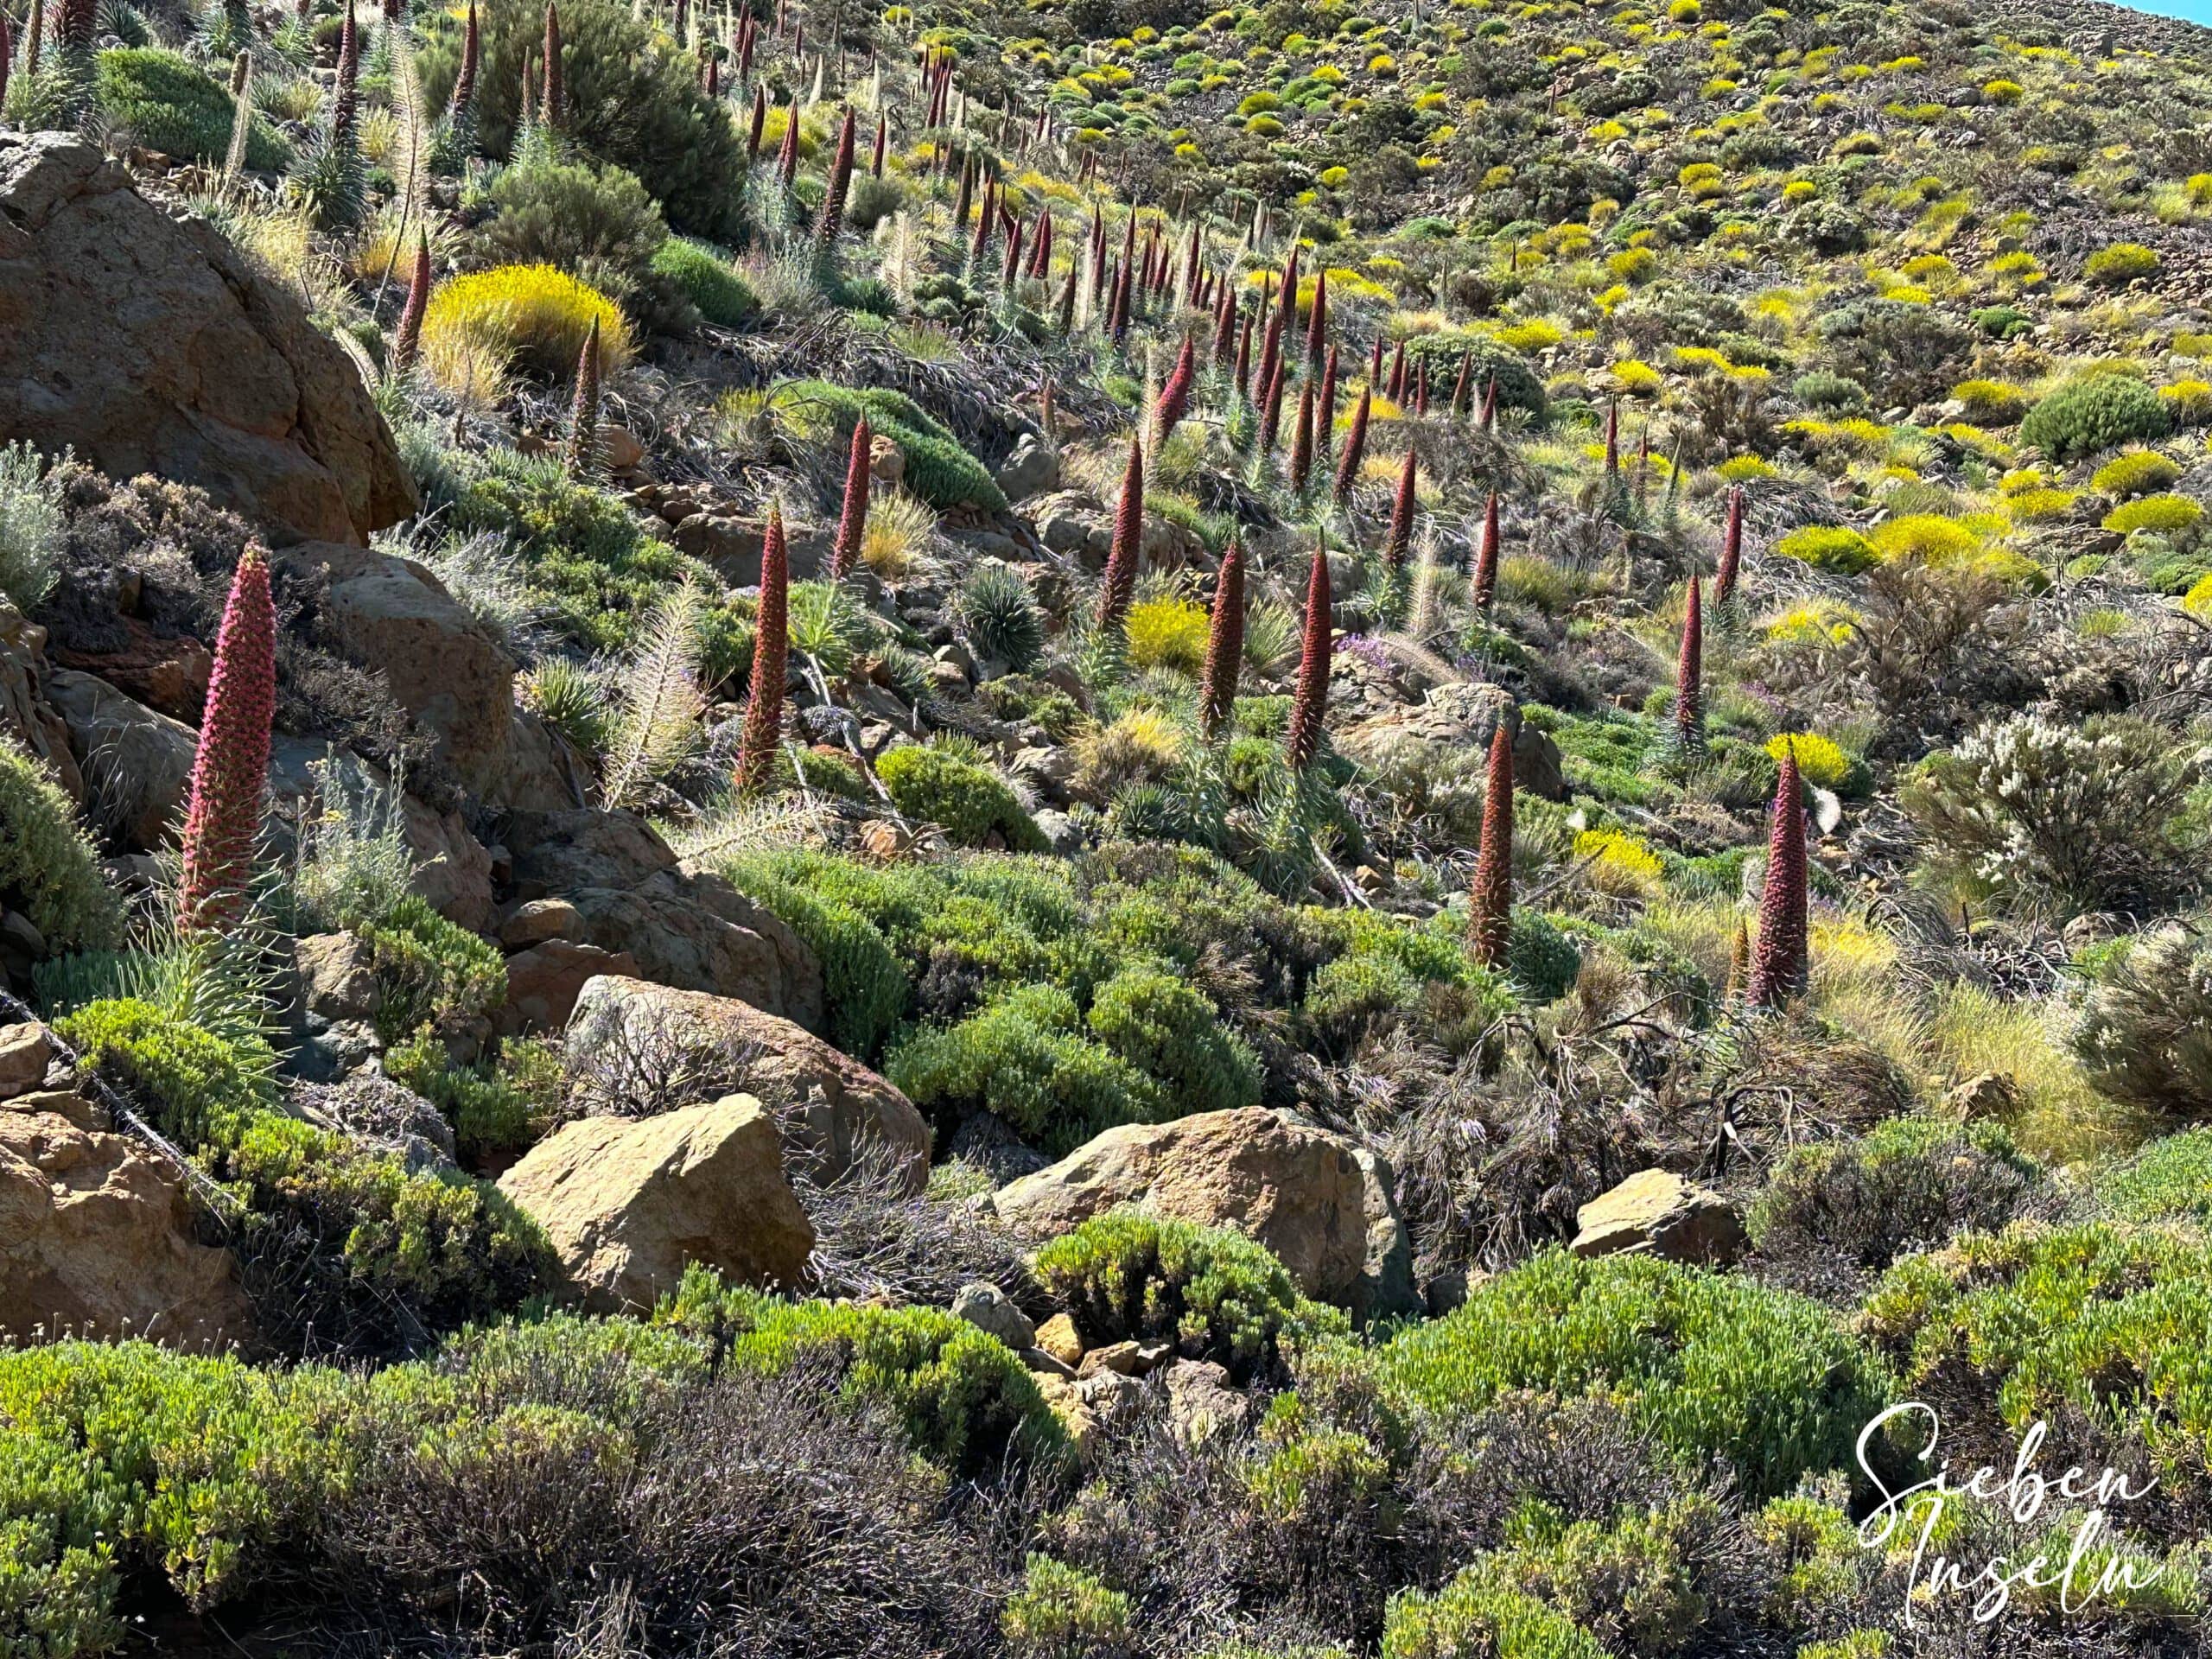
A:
[392,617]
[148,344]
[635,1034]
[1298,1189]
[1458,721]
[630,1203]
[692,930]
[137,764]
[1657,1212]
[24,715]
[97,1234]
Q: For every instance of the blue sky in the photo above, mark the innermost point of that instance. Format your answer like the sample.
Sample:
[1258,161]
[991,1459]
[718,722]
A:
[2197,11]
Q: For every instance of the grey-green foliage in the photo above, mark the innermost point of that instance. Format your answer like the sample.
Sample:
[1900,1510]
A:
[48,868]
[2143,1034]
[1002,617]
[30,526]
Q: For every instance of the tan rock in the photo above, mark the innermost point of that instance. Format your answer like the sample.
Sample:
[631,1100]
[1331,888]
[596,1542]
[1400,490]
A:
[1201,1402]
[1297,1189]
[629,1203]
[148,344]
[96,1234]
[1075,1414]
[337,977]
[1057,1337]
[1658,1213]
[539,920]
[840,1112]
[24,1053]
[70,1107]
[23,711]
[1456,721]
[544,982]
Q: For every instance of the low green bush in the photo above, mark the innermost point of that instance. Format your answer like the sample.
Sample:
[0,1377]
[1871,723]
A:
[168,104]
[2140,472]
[706,278]
[497,1108]
[1061,1611]
[1155,1021]
[938,470]
[2099,412]
[1711,1365]
[48,871]
[1214,1293]
[1829,547]
[1480,1612]
[2119,264]
[2143,1031]
[2170,1180]
[429,969]
[935,784]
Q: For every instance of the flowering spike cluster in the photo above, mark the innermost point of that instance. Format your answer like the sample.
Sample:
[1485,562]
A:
[1355,445]
[1490,899]
[1489,417]
[1485,585]
[1302,743]
[1271,409]
[343,95]
[1397,392]
[1301,438]
[229,773]
[1459,386]
[759,121]
[1732,549]
[763,706]
[1119,584]
[464,83]
[841,182]
[1401,513]
[1613,439]
[1689,701]
[1175,396]
[555,94]
[1324,411]
[409,341]
[1224,641]
[1779,963]
[583,416]
[852,523]
[787,156]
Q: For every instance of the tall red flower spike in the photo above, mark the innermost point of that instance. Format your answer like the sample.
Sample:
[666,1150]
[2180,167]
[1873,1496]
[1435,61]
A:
[1301,438]
[852,523]
[229,773]
[1401,513]
[472,58]
[556,95]
[1613,440]
[1779,964]
[840,184]
[1317,325]
[1355,445]
[1224,641]
[409,340]
[1302,742]
[1490,899]
[1689,700]
[1119,584]
[764,705]
[1174,397]
[1485,585]
[1732,549]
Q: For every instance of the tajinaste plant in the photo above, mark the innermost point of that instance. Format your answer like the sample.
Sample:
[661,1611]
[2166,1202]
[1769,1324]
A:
[1490,899]
[229,773]
[1309,708]
[763,707]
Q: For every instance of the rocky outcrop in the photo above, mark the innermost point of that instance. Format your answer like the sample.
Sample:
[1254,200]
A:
[693,932]
[835,1110]
[1658,1213]
[1298,1190]
[137,764]
[392,617]
[148,344]
[97,1233]
[24,715]
[1456,720]
[629,1203]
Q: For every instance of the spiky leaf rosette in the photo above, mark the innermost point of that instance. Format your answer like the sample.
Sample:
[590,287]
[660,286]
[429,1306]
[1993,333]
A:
[1490,899]
[1779,961]
[1302,742]
[1485,584]
[1355,445]
[840,184]
[763,706]
[1224,641]
[582,457]
[1689,700]
[409,340]
[1119,585]
[229,773]
[1732,549]
[1401,534]
[554,99]
[852,523]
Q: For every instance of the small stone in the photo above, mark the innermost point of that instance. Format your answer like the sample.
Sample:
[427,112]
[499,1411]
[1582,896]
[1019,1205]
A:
[992,1311]
[24,1052]
[1077,1419]
[1122,1358]
[1057,1337]
[1991,1094]
[1037,1360]
[539,920]
[620,448]
[1201,1403]
[1657,1212]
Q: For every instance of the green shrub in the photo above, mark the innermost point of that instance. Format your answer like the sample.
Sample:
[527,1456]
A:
[495,1110]
[429,969]
[2170,1180]
[963,1399]
[1477,1613]
[2002,321]
[2119,264]
[1822,390]
[2105,1320]
[706,278]
[2144,1030]
[1518,384]
[1833,1213]
[32,527]
[937,784]
[1062,1612]
[1381,969]
[1214,1293]
[1155,1021]
[2099,412]
[597,223]
[863,982]
[48,871]
[374,1256]
[168,104]
[1024,1059]
[2140,472]
[633,101]
[1713,1365]
[1991,403]
[938,470]
[1829,547]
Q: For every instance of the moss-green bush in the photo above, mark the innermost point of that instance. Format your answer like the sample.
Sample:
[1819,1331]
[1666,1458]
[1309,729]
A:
[2172,517]
[169,103]
[1713,1365]
[1480,1612]
[2170,1180]
[970,802]
[1214,1293]
[2119,264]
[2143,1028]
[705,276]
[595,222]
[48,869]
[2140,472]
[2099,412]
[1156,1022]
[430,969]
[938,470]
[1829,547]
[1061,1611]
